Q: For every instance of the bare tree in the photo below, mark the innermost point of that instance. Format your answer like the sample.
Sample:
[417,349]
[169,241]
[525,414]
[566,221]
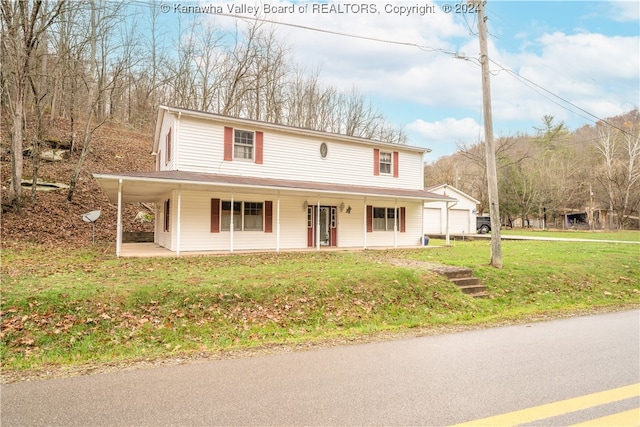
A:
[24,24]
[97,82]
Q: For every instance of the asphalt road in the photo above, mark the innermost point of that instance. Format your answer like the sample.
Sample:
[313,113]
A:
[436,380]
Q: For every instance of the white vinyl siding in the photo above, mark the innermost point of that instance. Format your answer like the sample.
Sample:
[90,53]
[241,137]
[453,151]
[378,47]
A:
[202,150]
[195,233]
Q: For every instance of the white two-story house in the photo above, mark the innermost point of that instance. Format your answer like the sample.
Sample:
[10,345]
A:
[229,184]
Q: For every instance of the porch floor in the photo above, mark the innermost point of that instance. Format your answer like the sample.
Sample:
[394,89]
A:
[152,250]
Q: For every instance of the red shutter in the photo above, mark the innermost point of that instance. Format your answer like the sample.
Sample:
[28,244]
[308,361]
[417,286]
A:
[310,226]
[376,162]
[396,165]
[228,143]
[268,216]
[403,222]
[167,214]
[369,218]
[333,239]
[259,147]
[215,215]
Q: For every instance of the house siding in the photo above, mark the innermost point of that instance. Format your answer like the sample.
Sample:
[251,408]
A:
[196,235]
[292,157]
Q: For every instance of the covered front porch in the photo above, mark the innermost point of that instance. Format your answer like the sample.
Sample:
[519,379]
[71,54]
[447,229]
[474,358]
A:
[190,208]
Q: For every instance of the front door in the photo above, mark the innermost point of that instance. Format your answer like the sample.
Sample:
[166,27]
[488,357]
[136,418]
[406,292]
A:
[325,215]
[321,226]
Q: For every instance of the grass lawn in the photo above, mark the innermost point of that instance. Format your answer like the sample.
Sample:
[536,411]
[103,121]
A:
[627,236]
[64,308]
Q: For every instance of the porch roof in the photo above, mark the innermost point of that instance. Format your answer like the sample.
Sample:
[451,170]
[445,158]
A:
[150,186]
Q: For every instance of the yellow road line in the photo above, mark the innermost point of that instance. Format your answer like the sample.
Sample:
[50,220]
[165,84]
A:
[557,408]
[629,418]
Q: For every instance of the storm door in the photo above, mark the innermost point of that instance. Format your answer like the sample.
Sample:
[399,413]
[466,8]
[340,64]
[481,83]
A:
[322,225]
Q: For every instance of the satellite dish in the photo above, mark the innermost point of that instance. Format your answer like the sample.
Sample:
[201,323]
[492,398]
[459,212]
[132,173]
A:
[91,216]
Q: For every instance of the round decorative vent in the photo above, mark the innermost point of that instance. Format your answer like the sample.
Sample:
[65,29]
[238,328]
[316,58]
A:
[323,150]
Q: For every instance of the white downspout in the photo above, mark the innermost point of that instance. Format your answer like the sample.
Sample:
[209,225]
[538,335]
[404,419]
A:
[447,224]
[423,229]
[119,221]
[231,227]
[178,225]
[446,229]
[395,224]
[318,226]
[278,224]
[365,223]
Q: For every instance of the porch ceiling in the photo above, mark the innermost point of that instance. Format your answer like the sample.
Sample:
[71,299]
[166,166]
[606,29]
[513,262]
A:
[151,186]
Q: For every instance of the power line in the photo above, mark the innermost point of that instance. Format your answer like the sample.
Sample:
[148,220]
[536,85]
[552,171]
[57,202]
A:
[339,33]
[529,82]
[457,55]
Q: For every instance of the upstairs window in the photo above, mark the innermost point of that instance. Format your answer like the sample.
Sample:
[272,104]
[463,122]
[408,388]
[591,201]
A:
[243,144]
[385,162]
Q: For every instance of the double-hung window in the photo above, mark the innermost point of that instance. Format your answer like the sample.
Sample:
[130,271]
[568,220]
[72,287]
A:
[384,219]
[226,213]
[243,144]
[385,162]
[252,216]
[247,216]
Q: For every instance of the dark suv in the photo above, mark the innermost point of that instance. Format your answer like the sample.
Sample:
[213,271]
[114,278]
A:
[483,224]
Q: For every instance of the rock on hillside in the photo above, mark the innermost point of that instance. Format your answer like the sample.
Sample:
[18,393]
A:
[51,220]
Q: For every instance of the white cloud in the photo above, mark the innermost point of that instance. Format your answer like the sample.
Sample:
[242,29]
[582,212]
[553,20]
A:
[446,133]
[436,93]
[625,11]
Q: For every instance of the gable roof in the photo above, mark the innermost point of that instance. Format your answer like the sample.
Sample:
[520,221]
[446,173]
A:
[150,186]
[446,187]
[260,125]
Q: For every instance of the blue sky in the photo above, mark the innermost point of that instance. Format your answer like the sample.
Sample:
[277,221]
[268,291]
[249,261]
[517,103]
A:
[586,53]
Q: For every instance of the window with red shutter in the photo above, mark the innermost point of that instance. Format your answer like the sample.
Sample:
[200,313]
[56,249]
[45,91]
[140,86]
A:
[215,215]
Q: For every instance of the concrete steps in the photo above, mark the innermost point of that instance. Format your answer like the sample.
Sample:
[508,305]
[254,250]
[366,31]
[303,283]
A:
[463,278]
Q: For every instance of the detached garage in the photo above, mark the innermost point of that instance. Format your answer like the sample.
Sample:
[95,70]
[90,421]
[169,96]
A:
[462,212]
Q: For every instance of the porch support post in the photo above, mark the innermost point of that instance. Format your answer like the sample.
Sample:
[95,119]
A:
[422,228]
[231,227]
[447,223]
[318,226]
[178,225]
[395,223]
[364,222]
[119,220]
[278,224]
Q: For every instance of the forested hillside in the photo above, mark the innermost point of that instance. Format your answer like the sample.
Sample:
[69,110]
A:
[591,174]
[50,218]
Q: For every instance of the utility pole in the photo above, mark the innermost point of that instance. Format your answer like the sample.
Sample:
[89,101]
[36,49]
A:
[492,175]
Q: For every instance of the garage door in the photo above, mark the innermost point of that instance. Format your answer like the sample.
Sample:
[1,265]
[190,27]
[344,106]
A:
[459,221]
[432,221]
